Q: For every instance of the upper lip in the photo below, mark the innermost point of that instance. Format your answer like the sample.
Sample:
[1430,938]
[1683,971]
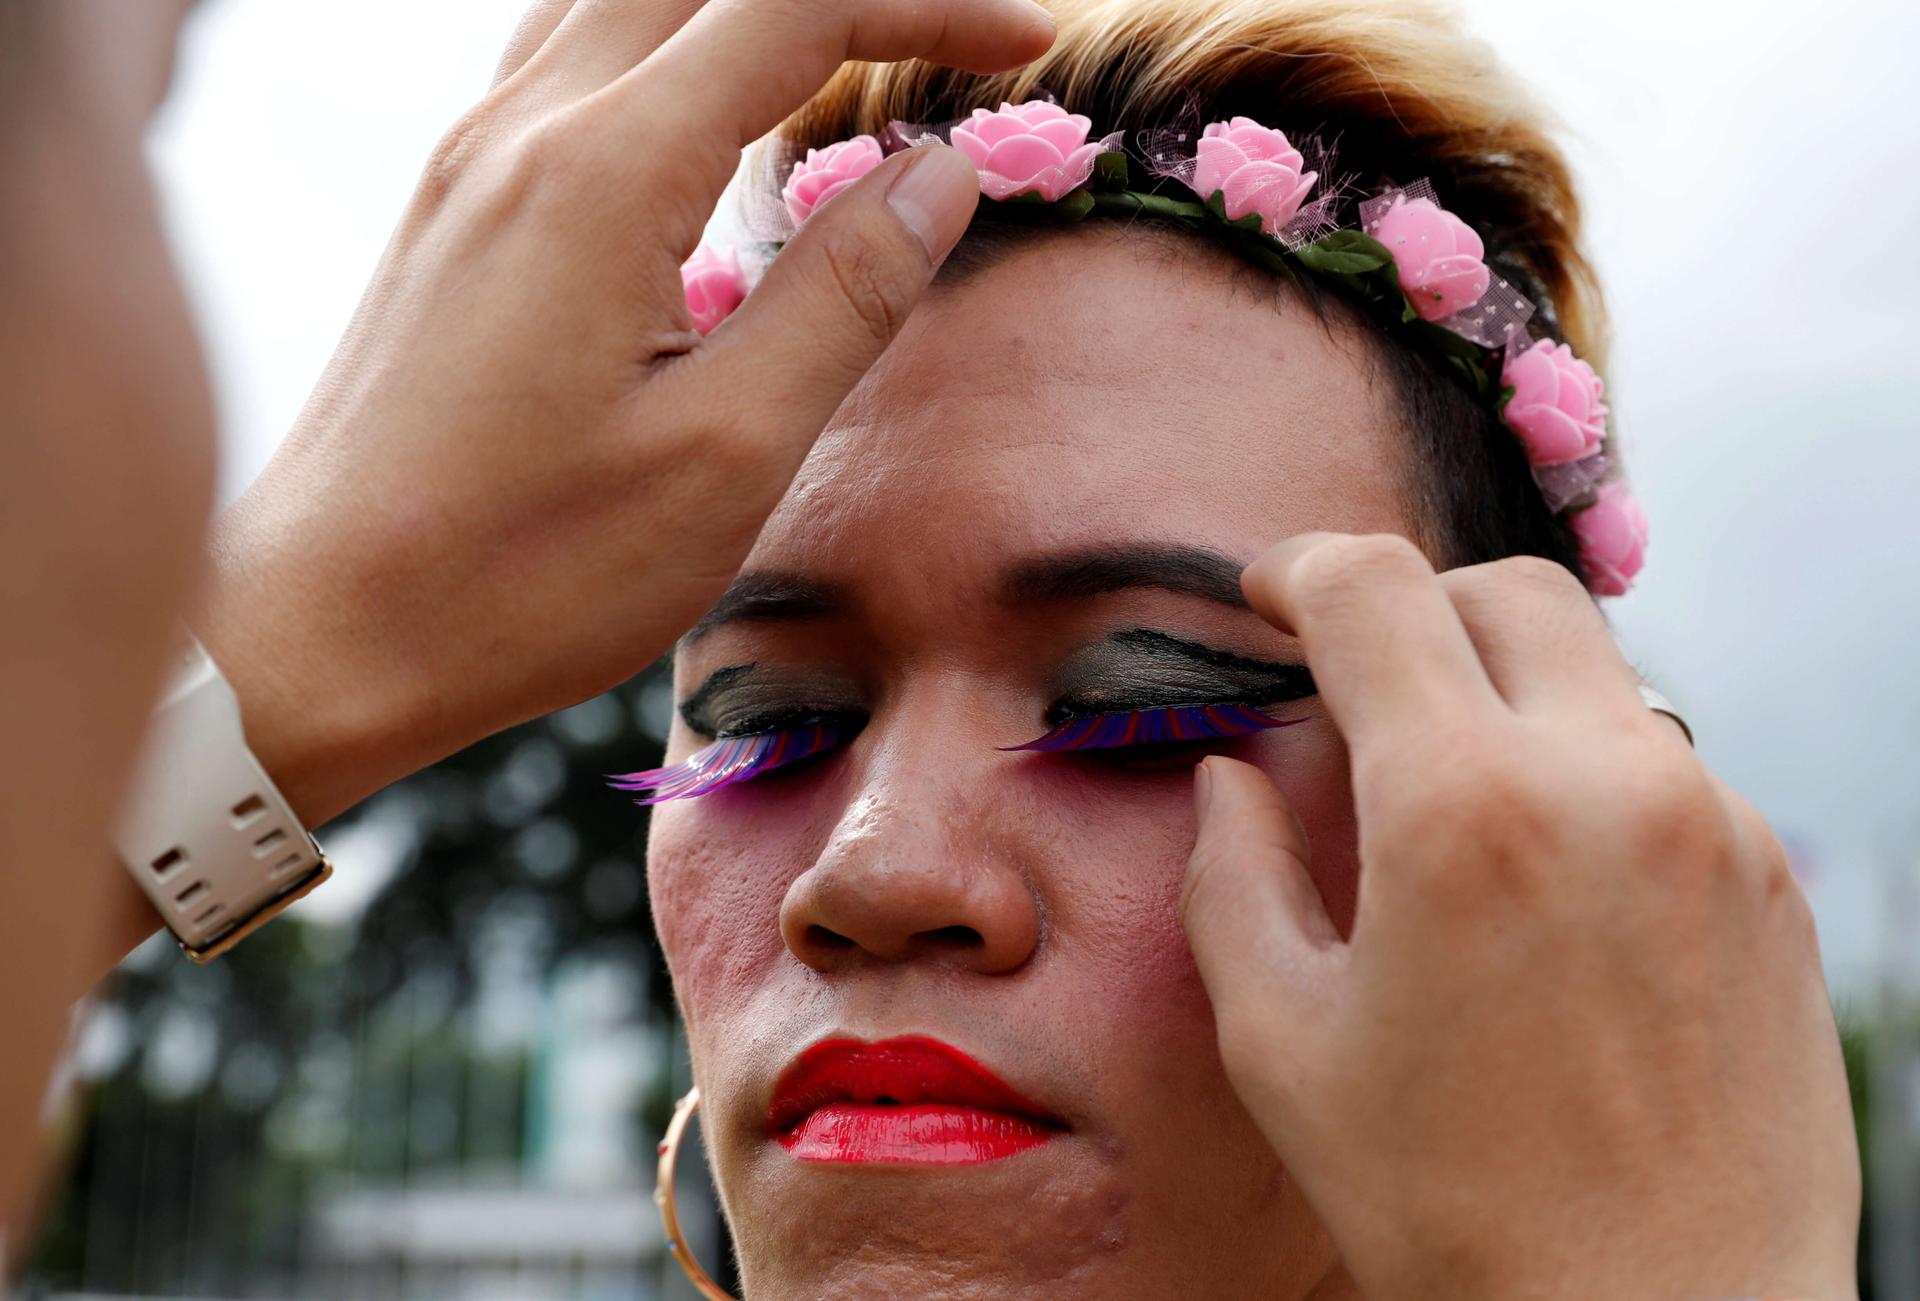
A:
[905,1069]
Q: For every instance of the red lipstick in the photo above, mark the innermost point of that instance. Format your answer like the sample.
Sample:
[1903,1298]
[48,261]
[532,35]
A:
[911,1100]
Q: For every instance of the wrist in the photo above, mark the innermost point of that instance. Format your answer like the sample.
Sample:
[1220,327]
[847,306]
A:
[327,729]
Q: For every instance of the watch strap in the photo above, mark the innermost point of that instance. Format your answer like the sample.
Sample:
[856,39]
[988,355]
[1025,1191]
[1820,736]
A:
[204,831]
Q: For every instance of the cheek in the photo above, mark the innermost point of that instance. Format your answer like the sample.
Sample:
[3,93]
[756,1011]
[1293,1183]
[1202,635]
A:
[1125,840]
[1197,1166]
[717,869]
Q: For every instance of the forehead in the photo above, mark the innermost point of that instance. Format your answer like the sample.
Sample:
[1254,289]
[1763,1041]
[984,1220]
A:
[1088,388]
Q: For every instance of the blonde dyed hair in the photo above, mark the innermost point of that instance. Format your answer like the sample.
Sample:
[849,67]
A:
[1397,88]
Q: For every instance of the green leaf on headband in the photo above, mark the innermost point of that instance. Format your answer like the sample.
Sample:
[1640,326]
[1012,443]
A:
[1076,205]
[1365,268]
[1506,396]
[1150,205]
[1217,205]
[1110,171]
[1346,253]
[1030,204]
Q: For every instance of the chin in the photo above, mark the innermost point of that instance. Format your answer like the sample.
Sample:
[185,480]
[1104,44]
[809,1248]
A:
[1053,1219]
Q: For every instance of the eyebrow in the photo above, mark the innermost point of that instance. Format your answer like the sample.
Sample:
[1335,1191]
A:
[1078,575]
[767,595]
[1097,571]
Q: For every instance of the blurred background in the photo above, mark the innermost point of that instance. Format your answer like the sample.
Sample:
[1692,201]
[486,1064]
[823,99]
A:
[444,1074]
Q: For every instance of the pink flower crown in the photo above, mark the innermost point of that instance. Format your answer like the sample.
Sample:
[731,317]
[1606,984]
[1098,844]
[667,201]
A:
[1412,264]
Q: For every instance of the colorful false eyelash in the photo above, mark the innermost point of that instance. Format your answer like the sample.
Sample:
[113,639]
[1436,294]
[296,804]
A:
[1151,726]
[734,759]
[730,760]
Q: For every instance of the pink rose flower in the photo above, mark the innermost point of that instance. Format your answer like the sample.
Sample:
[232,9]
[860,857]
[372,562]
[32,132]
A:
[1035,146]
[1556,407]
[715,284]
[823,173]
[1613,539]
[1437,255]
[1255,169]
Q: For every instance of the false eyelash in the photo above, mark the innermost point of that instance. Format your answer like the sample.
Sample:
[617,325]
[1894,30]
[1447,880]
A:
[1155,726]
[729,761]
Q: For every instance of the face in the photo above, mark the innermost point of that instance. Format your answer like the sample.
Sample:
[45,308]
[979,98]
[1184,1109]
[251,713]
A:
[1033,508]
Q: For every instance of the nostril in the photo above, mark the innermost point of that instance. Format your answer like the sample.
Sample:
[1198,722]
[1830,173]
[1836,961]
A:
[821,937]
[953,937]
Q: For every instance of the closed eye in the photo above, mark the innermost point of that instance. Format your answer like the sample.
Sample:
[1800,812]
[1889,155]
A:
[1127,729]
[731,760]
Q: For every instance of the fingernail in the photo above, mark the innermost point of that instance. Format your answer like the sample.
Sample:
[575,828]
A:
[1202,788]
[935,197]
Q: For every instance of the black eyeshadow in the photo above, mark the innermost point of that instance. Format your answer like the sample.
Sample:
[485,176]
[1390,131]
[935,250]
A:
[741,699]
[1143,668]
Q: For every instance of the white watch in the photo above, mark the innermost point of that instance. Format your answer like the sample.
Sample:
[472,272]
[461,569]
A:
[205,832]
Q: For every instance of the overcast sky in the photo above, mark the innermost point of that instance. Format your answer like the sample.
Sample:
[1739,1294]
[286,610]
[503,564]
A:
[1751,182]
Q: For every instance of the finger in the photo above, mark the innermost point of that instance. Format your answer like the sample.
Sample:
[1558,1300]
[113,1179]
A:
[1541,638]
[839,291]
[1259,930]
[738,67]
[1385,644]
[535,26]
[602,39]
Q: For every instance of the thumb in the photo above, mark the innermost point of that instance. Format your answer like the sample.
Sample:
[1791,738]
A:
[839,291]
[1259,930]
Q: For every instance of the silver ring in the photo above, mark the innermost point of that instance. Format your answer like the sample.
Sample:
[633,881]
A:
[1659,704]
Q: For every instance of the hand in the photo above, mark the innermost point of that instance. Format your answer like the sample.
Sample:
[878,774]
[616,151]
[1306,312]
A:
[1577,1043]
[524,473]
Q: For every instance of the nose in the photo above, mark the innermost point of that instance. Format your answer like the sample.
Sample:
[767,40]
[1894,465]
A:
[914,875]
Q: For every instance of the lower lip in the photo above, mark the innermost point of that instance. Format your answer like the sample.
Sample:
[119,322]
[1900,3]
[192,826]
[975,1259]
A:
[919,1134]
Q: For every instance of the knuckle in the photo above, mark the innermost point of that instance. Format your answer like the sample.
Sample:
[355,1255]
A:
[1789,902]
[873,283]
[542,158]
[1675,815]
[505,169]
[1339,564]
[455,155]
[1771,867]
[1537,576]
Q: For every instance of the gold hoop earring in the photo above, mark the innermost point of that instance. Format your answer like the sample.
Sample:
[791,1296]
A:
[663,1198]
